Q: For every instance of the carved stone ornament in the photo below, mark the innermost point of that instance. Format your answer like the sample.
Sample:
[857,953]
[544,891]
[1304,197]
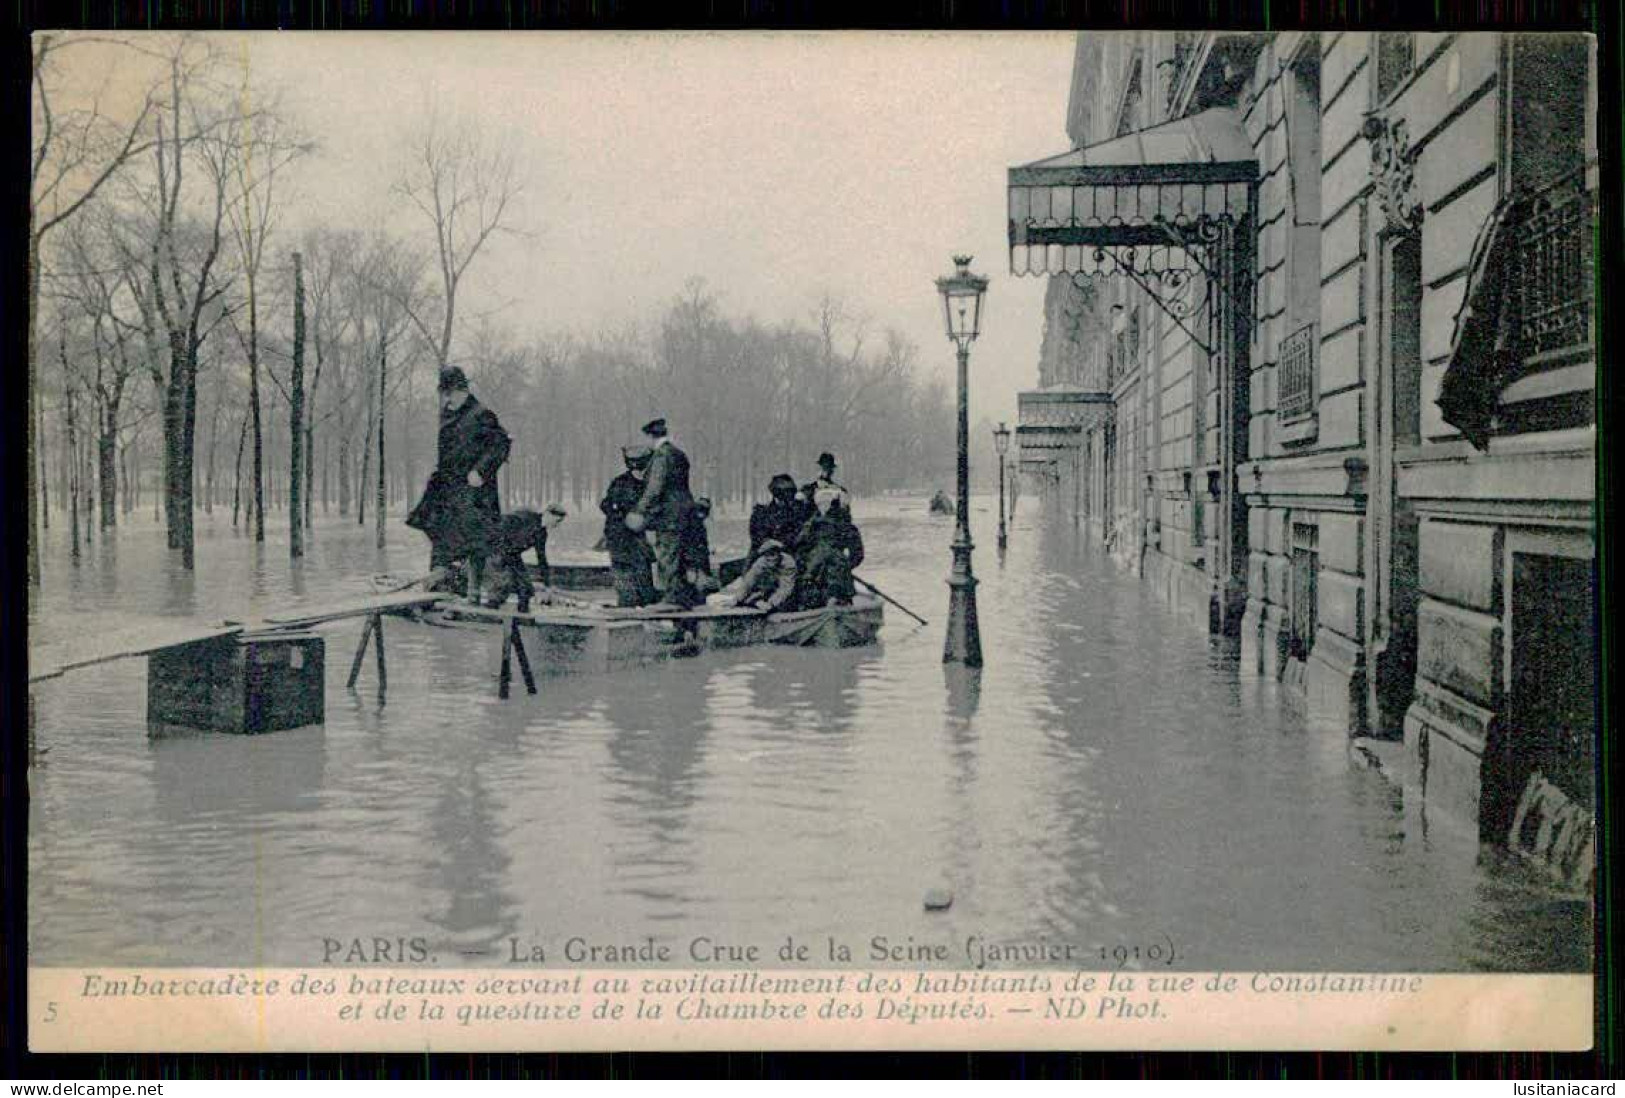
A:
[1393,170]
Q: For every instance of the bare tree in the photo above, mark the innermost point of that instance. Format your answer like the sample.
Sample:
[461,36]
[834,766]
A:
[296,415]
[463,185]
[259,143]
[76,150]
[182,285]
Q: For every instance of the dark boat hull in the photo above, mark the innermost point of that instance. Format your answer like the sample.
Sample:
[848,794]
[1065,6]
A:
[608,638]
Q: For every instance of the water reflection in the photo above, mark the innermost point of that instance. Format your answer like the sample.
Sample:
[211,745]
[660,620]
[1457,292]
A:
[1106,777]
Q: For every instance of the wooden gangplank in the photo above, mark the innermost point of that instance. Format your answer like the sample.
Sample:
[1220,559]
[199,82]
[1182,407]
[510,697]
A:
[356,608]
[373,608]
[90,647]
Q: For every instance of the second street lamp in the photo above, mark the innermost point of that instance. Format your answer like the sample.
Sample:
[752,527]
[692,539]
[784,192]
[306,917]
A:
[1001,444]
[962,308]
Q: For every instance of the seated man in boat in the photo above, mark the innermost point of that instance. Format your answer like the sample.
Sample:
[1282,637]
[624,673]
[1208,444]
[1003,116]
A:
[694,551]
[518,531]
[829,549]
[767,583]
[782,517]
[630,558]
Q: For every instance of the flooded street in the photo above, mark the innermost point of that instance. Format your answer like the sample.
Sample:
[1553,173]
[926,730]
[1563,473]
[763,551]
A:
[1107,782]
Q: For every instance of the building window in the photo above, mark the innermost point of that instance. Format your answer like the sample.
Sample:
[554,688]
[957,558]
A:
[1305,591]
[1550,725]
[1404,322]
[1396,58]
[1296,376]
[1129,119]
[1547,154]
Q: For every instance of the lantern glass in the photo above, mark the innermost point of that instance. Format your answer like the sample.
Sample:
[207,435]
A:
[1001,439]
[962,301]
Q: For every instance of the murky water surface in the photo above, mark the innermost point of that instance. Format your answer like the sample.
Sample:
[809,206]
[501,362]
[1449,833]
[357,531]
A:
[1108,780]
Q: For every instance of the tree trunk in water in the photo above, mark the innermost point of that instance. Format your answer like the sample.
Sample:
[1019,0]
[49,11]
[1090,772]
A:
[344,475]
[254,411]
[107,477]
[296,415]
[39,447]
[87,489]
[73,478]
[366,474]
[383,373]
[185,477]
[237,480]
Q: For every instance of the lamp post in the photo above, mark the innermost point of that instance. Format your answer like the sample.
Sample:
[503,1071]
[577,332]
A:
[962,308]
[1001,443]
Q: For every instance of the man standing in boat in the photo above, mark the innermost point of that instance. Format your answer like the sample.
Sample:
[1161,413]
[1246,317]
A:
[460,509]
[629,555]
[826,480]
[663,510]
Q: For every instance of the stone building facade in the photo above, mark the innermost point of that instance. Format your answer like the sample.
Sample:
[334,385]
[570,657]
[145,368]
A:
[1360,434]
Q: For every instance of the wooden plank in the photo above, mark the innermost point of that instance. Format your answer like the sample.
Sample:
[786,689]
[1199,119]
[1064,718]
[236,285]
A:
[91,647]
[360,608]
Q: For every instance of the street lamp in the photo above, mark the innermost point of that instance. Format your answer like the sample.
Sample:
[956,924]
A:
[962,309]
[1001,443]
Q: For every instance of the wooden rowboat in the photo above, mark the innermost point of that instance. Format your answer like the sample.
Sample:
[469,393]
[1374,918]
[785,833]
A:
[605,638]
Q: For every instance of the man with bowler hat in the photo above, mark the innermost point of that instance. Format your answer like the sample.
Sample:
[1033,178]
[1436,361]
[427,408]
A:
[663,510]
[460,507]
[826,480]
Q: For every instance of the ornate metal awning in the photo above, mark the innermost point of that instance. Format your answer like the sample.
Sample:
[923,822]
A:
[1154,206]
[1056,418]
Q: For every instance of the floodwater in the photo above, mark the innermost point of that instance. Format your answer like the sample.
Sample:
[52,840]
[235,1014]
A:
[1107,782]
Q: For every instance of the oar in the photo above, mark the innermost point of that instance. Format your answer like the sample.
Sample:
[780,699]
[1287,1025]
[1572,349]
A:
[875,590]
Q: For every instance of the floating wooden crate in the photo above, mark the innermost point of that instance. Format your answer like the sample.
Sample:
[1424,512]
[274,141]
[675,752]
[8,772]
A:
[262,683]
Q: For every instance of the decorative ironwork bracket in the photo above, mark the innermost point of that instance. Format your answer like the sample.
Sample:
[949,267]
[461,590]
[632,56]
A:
[1174,291]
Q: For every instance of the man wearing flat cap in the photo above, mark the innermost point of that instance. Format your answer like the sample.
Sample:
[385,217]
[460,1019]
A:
[460,508]
[629,554]
[663,511]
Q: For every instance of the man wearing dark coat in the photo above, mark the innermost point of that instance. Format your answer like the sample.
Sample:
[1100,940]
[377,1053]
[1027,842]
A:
[629,554]
[460,507]
[663,510]
[828,551]
[694,548]
[516,532]
[826,479]
[780,519]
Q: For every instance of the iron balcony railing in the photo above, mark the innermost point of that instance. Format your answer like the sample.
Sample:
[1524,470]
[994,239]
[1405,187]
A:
[1552,273]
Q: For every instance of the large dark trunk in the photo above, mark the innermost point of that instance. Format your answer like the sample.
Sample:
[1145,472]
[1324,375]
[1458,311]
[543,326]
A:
[237,478]
[185,478]
[107,477]
[73,474]
[254,411]
[296,417]
[366,471]
[43,474]
[380,504]
[177,470]
[344,474]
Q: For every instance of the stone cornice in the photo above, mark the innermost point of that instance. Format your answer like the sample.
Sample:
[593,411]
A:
[1334,475]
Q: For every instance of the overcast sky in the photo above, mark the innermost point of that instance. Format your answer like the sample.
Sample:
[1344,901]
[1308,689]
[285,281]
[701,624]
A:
[775,166]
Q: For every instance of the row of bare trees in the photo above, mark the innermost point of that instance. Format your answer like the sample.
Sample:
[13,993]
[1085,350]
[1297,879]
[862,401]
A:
[182,331]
